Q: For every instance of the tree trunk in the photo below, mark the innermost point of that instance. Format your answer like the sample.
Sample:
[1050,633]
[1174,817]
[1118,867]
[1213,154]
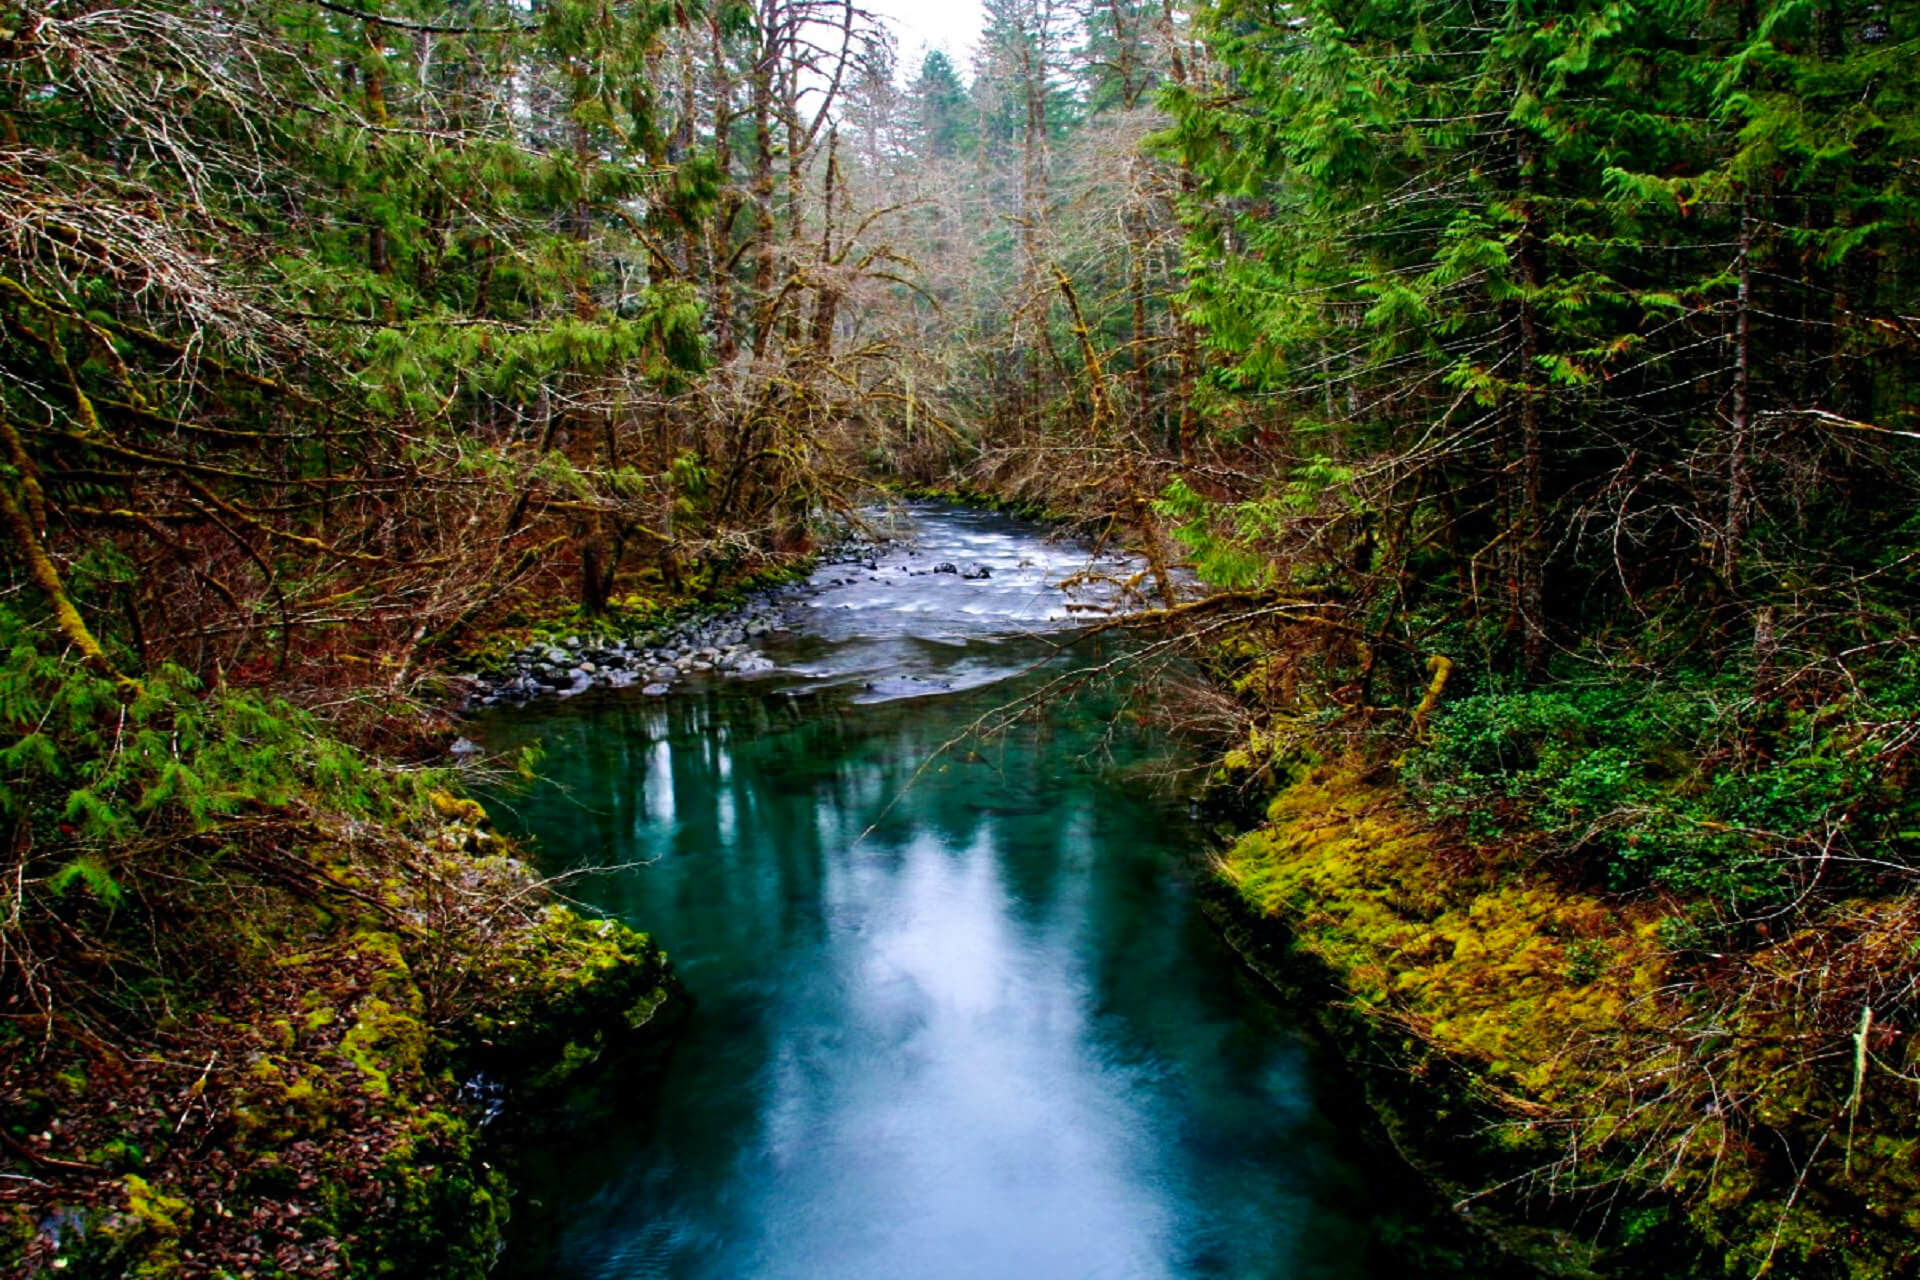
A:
[1529,534]
[1739,446]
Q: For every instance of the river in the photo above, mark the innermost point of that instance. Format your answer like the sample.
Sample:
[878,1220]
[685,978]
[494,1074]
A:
[955,1011]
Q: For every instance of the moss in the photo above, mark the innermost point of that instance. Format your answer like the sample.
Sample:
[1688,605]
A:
[1482,960]
[1567,1026]
[441,1206]
[588,988]
[381,1040]
[457,808]
[145,1239]
[163,1215]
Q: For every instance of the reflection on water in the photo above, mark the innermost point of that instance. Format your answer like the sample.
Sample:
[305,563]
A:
[954,1016]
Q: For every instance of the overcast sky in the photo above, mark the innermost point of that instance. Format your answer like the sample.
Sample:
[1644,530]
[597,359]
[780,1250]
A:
[952,25]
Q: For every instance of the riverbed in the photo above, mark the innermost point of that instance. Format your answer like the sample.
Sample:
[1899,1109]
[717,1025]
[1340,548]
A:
[955,1011]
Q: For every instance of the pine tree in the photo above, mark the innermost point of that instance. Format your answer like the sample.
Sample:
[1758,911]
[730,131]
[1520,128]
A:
[942,123]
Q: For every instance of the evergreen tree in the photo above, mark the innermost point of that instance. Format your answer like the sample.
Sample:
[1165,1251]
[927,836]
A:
[942,123]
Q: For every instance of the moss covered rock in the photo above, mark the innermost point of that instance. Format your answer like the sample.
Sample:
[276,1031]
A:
[568,993]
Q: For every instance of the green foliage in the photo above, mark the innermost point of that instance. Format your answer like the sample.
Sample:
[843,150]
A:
[1530,263]
[90,873]
[95,771]
[942,124]
[1669,786]
[1234,544]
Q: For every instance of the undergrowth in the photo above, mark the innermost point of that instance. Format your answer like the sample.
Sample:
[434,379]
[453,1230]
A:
[1679,786]
[246,969]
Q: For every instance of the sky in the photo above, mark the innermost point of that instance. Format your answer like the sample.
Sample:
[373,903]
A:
[952,25]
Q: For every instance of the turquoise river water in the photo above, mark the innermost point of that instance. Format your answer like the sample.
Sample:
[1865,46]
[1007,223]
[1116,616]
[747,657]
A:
[955,1012]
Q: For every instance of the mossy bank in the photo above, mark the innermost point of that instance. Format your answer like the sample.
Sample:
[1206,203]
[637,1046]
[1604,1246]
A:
[262,992]
[1593,1094]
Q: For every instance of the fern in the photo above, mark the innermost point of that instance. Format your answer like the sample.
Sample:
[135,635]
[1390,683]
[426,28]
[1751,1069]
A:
[87,872]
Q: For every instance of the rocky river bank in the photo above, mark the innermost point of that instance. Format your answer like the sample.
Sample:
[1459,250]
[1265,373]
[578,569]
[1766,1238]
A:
[700,643]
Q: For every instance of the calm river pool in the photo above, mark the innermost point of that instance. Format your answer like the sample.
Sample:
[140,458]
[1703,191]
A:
[955,1011]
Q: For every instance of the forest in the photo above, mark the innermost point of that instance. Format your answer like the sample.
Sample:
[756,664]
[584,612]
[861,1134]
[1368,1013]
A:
[1534,384]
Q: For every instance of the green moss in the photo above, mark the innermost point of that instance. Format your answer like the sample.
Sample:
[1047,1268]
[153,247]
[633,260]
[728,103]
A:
[570,992]
[381,1040]
[457,808]
[1486,963]
[146,1239]
[441,1206]
[1576,1032]
[163,1215]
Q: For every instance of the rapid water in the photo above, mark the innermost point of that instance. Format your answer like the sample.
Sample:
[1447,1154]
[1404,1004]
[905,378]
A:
[955,1012]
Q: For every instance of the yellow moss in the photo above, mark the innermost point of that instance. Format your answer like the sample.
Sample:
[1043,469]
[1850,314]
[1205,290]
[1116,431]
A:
[1530,980]
[1563,999]
[1476,957]
[382,1040]
[457,808]
[163,1215]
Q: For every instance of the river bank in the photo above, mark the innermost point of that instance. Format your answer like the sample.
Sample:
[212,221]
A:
[296,1076]
[1552,1060]
[282,1003]
[307,997]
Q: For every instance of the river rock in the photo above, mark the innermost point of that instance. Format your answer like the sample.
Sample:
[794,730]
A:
[657,690]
